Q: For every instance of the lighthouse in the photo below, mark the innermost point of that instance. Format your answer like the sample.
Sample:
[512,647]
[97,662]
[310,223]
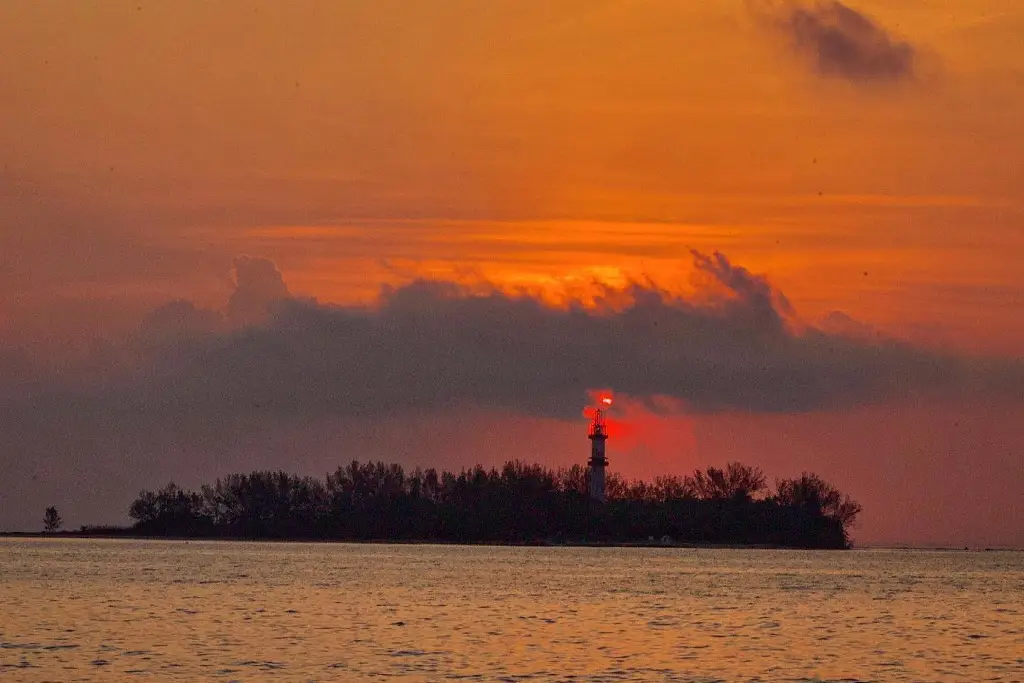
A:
[598,434]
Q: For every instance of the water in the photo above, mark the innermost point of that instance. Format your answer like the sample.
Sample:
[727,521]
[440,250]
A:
[97,610]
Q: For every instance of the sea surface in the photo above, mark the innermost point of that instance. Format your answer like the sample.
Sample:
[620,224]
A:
[118,610]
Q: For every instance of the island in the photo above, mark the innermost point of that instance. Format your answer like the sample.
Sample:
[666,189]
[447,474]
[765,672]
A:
[518,503]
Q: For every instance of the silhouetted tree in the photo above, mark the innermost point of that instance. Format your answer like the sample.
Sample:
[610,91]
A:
[170,511]
[144,508]
[811,491]
[574,479]
[736,481]
[671,488]
[52,521]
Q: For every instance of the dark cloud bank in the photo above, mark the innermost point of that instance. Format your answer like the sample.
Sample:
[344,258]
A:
[840,42]
[430,345]
[194,383]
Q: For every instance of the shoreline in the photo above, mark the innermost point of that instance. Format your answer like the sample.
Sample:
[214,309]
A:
[506,544]
[352,541]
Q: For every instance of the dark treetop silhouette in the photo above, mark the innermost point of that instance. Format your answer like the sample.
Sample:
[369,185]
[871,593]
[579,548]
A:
[52,521]
[520,503]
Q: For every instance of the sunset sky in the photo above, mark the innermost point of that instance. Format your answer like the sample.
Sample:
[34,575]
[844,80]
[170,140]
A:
[240,235]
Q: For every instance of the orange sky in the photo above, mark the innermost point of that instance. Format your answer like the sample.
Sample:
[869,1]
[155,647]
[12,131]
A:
[519,141]
[537,145]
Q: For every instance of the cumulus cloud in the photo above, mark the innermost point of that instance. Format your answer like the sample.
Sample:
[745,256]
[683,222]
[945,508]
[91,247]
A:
[746,295]
[841,42]
[259,288]
[430,345]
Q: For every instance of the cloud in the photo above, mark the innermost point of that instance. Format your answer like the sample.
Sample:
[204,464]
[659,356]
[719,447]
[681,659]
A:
[259,289]
[746,294]
[840,42]
[735,345]
[179,320]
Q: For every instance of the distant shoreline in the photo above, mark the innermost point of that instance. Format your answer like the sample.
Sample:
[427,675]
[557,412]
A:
[508,544]
[524,544]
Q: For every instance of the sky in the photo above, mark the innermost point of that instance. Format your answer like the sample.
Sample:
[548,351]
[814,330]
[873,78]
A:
[244,235]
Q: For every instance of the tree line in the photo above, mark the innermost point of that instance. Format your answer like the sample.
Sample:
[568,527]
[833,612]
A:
[518,503]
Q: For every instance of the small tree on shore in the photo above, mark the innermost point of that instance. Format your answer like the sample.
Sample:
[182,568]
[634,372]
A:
[52,521]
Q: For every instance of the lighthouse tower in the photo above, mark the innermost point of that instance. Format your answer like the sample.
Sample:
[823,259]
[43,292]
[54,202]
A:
[598,435]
